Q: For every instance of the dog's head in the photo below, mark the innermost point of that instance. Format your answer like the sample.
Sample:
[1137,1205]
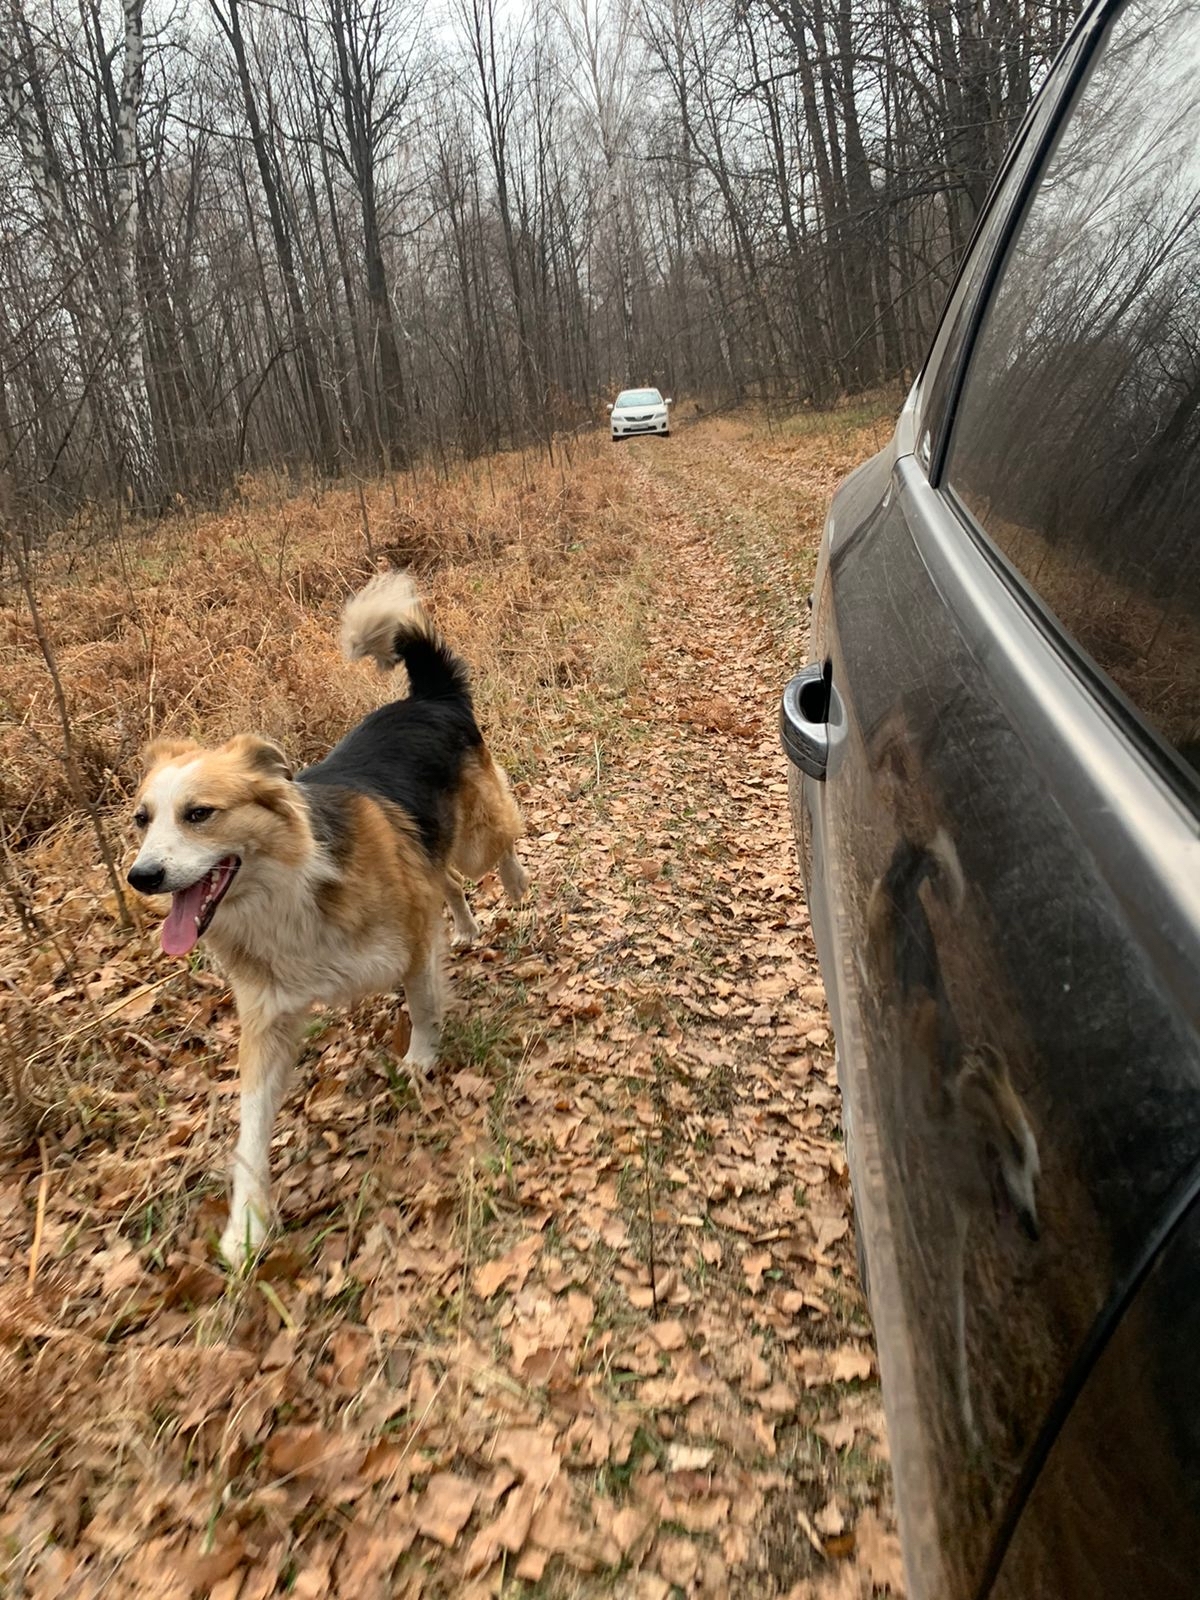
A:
[206,819]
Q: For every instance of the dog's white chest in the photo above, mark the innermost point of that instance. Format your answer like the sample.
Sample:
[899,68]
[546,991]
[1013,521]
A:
[298,956]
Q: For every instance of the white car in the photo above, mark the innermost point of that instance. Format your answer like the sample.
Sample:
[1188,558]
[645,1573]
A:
[640,411]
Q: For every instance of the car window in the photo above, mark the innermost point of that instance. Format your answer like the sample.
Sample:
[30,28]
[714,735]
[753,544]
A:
[1076,443]
[942,366]
[639,397]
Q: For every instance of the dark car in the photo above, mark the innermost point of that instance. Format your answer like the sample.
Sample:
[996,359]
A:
[996,788]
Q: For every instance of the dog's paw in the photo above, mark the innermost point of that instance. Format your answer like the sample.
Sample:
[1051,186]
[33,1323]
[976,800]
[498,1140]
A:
[244,1236]
[419,1068]
[514,878]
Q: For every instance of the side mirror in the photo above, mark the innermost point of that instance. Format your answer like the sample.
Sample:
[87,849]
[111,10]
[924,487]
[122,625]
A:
[612,408]
[668,402]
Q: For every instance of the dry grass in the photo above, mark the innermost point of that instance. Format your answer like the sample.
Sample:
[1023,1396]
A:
[210,626]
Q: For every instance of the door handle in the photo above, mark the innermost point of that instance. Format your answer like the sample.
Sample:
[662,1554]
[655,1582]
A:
[804,719]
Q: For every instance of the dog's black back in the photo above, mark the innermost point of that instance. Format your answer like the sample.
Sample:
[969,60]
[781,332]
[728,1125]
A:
[410,752]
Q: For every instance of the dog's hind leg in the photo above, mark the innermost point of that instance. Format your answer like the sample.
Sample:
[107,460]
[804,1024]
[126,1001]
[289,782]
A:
[466,929]
[513,876]
[268,1049]
[423,992]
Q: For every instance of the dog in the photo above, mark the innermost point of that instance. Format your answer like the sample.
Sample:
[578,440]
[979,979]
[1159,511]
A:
[966,1115]
[974,1131]
[326,885]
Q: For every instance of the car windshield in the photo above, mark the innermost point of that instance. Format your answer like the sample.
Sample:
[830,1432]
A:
[639,397]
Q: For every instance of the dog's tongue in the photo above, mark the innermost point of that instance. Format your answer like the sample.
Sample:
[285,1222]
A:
[179,930]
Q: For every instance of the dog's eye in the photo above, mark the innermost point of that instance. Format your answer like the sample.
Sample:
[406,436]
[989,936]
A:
[199,813]
[141,817]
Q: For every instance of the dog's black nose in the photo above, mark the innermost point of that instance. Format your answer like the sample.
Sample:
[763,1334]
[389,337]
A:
[146,880]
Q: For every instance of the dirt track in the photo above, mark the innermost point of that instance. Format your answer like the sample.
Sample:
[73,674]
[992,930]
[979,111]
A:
[588,1324]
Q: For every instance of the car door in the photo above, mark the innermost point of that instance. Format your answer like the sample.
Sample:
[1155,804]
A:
[1005,856]
[1115,1509]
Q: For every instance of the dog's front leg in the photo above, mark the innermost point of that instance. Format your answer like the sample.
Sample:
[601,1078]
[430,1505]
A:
[423,990]
[513,876]
[268,1048]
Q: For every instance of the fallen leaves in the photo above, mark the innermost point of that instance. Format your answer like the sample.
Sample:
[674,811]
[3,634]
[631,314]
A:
[878,1550]
[754,1266]
[507,1533]
[531,1453]
[445,1508]
[850,1364]
[202,1573]
[829,1521]
[509,1269]
[563,1324]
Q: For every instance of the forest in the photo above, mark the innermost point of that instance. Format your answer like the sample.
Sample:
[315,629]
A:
[343,235]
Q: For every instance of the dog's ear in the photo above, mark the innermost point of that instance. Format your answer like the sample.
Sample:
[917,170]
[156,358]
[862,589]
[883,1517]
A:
[260,756]
[160,750]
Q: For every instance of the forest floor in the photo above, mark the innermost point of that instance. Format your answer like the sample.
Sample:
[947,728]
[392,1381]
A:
[586,1322]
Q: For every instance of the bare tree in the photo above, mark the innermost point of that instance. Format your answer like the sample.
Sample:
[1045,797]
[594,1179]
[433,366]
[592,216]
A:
[308,236]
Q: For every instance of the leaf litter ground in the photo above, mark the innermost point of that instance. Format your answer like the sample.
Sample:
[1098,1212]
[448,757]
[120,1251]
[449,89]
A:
[587,1322]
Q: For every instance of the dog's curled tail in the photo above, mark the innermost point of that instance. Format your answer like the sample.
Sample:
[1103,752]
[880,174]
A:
[387,622]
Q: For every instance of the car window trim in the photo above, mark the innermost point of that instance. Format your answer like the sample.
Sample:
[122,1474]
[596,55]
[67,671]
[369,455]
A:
[1081,42]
